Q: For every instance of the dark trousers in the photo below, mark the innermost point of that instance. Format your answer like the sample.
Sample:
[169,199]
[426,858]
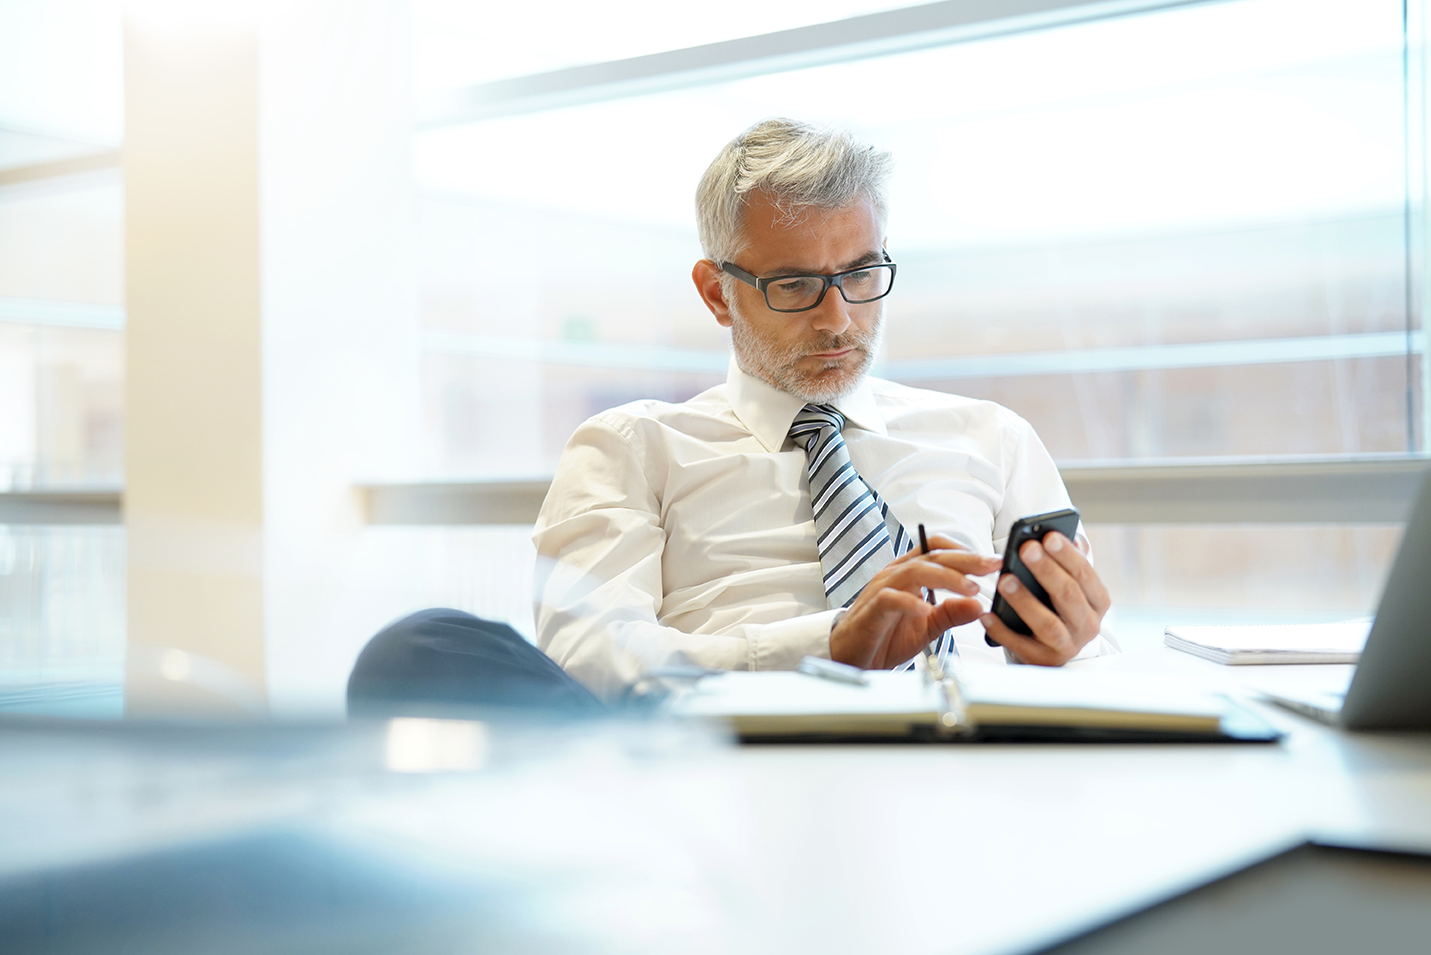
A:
[450,663]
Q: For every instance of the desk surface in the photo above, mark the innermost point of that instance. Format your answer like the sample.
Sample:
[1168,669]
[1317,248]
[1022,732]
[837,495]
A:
[642,838]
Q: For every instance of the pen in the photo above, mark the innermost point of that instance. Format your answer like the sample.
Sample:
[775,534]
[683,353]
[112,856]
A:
[830,670]
[924,549]
[936,669]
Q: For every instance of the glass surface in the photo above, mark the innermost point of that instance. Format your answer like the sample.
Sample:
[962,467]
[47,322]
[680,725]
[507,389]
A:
[62,602]
[62,588]
[511,419]
[61,79]
[61,332]
[61,396]
[62,626]
[1131,231]
[61,244]
[614,298]
[1162,575]
[62,633]
[458,43]
[1124,230]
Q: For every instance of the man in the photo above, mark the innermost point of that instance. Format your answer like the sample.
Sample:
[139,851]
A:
[772,517]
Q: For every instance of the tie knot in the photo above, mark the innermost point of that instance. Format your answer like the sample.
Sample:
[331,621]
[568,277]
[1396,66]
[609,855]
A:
[813,419]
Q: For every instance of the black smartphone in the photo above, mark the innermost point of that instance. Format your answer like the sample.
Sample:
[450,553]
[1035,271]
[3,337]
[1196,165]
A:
[1025,529]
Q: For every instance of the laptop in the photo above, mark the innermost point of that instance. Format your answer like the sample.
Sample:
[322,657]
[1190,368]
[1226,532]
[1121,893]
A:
[1391,688]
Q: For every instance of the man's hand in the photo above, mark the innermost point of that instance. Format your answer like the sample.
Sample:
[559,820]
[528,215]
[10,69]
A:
[890,621]
[1079,602]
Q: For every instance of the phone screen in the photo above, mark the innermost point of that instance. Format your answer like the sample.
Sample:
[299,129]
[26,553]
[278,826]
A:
[1034,527]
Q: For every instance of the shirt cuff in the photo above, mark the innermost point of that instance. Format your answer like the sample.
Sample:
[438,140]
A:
[782,645]
[1103,645]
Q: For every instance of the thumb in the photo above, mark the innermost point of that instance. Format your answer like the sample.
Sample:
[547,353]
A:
[954,612]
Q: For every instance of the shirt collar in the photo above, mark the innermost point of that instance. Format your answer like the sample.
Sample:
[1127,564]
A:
[768,412]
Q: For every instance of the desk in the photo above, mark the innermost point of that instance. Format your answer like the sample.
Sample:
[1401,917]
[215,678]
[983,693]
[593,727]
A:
[651,838]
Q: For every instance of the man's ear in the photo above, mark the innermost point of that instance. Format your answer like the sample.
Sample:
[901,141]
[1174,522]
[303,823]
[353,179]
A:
[707,275]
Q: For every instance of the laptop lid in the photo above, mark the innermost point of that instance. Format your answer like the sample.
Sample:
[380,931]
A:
[1392,685]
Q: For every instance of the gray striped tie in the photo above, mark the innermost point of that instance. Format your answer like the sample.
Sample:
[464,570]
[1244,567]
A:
[857,534]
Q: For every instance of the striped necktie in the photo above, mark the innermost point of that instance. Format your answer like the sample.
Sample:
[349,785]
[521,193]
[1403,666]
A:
[857,534]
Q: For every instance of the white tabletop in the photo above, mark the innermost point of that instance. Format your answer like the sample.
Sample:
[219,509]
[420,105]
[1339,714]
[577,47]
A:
[669,840]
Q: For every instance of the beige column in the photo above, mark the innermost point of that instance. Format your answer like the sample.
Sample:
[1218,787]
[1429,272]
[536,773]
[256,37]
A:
[273,346]
[193,400]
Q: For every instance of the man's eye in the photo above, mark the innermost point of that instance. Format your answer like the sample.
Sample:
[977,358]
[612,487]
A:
[859,278]
[792,286]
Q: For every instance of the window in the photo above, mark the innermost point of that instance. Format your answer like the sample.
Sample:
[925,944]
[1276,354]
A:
[61,348]
[1180,234]
[61,244]
[1190,234]
[1193,233]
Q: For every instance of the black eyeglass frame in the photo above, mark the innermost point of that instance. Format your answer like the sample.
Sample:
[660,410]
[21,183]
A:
[837,280]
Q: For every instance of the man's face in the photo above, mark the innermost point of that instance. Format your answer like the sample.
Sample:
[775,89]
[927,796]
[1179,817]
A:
[820,354]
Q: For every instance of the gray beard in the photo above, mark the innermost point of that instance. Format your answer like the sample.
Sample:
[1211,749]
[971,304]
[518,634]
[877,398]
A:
[778,367]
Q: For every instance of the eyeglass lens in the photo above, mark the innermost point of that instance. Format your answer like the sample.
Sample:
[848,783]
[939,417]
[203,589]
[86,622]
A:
[802,291]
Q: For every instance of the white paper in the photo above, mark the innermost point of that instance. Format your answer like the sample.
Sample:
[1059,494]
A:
[1338,642]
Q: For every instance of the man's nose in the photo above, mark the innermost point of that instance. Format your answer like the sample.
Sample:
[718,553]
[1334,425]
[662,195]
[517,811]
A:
[832,315]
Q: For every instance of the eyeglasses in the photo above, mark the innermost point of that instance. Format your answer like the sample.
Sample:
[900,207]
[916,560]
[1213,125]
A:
[800,293]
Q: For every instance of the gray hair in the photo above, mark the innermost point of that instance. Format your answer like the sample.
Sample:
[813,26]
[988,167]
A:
[798,165]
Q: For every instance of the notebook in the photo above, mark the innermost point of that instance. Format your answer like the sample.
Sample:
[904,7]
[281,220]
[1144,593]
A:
[1338,642]
[975,703]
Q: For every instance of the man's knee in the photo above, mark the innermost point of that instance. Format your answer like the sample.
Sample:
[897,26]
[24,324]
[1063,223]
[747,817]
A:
[444,662]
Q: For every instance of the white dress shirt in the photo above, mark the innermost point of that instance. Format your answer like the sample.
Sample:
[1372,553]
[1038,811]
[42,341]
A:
[687,527]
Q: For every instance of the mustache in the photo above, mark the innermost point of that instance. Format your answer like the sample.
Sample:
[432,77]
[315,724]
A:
[827,342]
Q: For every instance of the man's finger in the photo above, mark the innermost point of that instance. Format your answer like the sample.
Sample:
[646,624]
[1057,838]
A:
[937,542]
[923,624]
[922,571]
[940,542]
[962,561]
[901,621]
[1025,648]
[1048,628]
[966,562]
[1070,602]
[1072,559]
[953,554]
[875,621]
[926,572]
[954,612]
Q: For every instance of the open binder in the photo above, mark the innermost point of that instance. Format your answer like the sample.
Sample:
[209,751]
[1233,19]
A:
[1013,703]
